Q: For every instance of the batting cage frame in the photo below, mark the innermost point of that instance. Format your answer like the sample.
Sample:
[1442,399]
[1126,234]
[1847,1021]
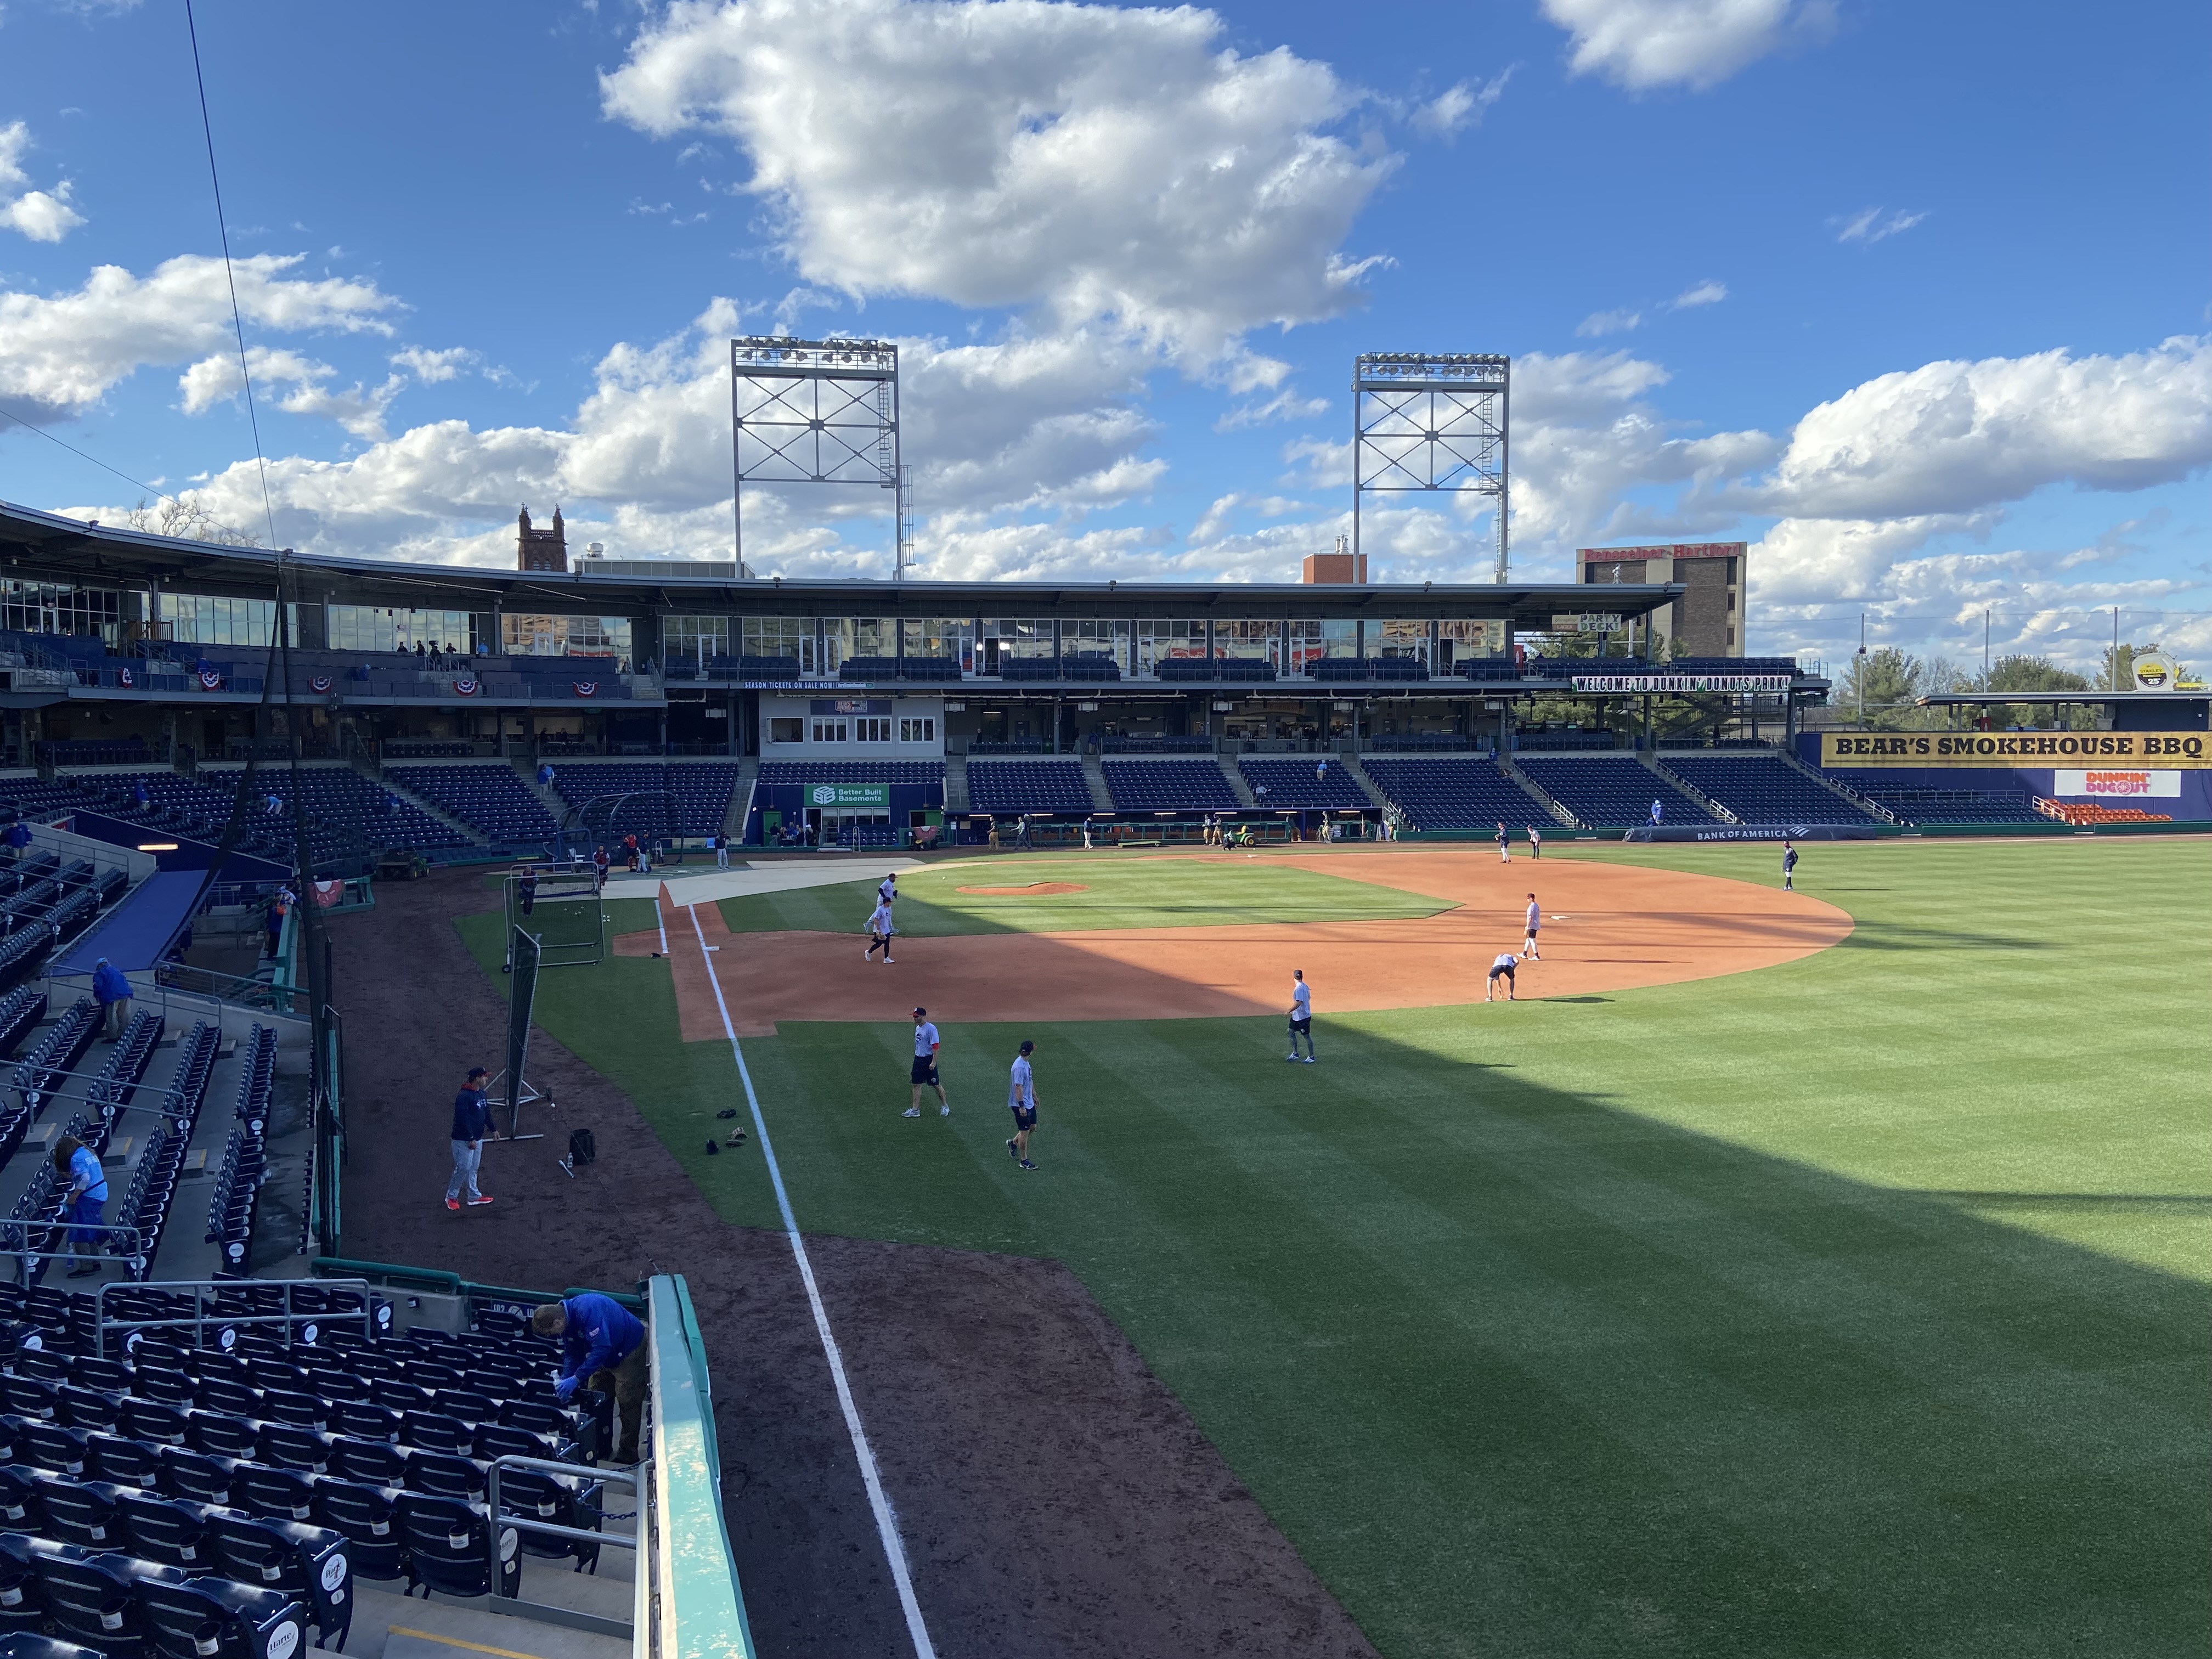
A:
[596,821]
[568,916]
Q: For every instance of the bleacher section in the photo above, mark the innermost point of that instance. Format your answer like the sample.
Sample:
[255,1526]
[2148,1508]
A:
[489,798]
[1166,785]
[779,773]
[341,799]
[1610,794]
[1027,786]
[1916,804]
[183,807]
[701,792]
[1455,794]
[164,1500]
[1291,781]
[1761,789]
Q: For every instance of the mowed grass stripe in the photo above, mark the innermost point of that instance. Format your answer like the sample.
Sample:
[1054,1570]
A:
[1743,1316]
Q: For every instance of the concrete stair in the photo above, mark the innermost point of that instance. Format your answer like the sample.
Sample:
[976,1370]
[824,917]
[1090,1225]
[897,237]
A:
[741,798]
[1094,776]
[956,785]
[385,780]
[1505,764]
[1367,787]
[1689,788]
[1242,790]
[1842,792]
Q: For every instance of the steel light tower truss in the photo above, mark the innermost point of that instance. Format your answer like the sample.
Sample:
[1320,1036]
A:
[815,412]
[1431,420]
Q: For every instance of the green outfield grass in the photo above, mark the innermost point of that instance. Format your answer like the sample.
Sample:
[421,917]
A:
[1122,891]
[1858,1306]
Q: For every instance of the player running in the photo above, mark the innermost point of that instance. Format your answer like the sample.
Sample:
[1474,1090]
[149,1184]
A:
[1501,968]
[1535,919]
[1021,1100]
[923,1074]
[879,932]
[1301,1015]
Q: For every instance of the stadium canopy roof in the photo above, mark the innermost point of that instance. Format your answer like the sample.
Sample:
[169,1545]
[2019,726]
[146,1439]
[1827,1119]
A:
[36,546]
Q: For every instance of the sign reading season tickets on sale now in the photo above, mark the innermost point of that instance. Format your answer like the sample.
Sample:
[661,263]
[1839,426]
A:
[2189,751]
[875,796]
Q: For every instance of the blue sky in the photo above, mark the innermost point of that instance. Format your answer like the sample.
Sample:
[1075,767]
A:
[1913,298]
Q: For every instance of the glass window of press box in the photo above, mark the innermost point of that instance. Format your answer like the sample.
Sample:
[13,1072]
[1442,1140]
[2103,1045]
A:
[386,627]
[1458,640]
[695,640]
[1096,637]
[1159,639]
[53,608]
[942,637]
[1398,639]
[1255,641]
[1005,637]
[783,636]
[568,636]
[210,619]
[1308,641]
[856,636]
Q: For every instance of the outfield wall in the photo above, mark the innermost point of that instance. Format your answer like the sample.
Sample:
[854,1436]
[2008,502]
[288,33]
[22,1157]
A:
[2180,788]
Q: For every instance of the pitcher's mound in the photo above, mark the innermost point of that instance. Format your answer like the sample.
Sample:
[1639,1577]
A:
[1035,889]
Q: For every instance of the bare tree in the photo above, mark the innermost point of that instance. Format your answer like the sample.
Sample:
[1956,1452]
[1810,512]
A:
[186,518]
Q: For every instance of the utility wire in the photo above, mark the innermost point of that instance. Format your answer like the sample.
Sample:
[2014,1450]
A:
[222,227]
[158,494]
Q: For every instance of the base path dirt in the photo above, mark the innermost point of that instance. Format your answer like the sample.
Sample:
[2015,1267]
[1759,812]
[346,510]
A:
[1606,928]
[1096,1521]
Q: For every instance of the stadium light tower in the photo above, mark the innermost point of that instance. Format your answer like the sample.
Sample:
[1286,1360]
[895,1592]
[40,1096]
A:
[816,411]
[1430,420]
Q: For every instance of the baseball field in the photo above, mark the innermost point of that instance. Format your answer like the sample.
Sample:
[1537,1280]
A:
[1826,1274]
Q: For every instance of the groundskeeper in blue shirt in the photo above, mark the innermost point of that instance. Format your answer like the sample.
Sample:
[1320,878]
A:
[599,1336]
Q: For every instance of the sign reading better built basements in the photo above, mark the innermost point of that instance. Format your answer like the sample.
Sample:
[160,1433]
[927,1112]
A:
[2015,750]
[867,796]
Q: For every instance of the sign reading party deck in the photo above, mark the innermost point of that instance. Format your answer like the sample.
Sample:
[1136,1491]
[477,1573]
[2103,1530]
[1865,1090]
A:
[2117,752]
[876,797]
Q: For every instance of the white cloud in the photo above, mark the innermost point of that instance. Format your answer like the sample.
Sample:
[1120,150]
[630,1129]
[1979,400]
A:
[61,354]
[1704,294]
[1285,406]
[1641,44]
[434,368]
[1600,324]
[42,216]
[1955,437]
[1460,106]
[1099,165]
[1868,226]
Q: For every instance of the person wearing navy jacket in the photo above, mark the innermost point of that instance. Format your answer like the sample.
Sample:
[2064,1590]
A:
[602,1348]
[471,1123]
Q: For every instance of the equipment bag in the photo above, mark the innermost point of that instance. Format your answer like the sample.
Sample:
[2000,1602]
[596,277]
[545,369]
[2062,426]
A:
[582,1149]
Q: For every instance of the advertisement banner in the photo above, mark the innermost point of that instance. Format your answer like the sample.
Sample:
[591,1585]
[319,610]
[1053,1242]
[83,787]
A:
[2013,751]
[865,797]
[1656,683]
[1701,832]
[2157,785]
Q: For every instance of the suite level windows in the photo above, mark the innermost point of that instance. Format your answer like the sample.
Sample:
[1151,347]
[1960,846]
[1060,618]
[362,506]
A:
[831,730]
[872,729]
[922,729]
[696,639]
[787,731]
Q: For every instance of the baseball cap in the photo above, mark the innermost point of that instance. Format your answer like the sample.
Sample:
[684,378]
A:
[918,1012]
[479,1071]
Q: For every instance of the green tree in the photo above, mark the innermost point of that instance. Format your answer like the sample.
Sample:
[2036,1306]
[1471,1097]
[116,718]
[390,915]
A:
[1884,683]
[2026,673]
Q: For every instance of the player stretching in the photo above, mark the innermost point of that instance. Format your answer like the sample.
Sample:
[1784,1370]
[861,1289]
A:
[1535,918]
[879,932]
[1301,1015]
[925,1066]
[1021,1099]
[1503,968]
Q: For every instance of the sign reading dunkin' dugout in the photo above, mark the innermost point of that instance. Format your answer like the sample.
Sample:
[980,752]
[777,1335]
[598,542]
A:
[2093,750]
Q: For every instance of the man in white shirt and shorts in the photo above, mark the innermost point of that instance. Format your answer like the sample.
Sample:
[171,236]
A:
[880,932]
[1301,1015]
[925,1066]
[1535,919]
[1021,1100]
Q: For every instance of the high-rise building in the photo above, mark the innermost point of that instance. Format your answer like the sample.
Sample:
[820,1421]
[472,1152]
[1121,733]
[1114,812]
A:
[1706,622]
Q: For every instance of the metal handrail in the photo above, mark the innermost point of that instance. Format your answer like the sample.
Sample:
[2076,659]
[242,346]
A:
[513,1606]
[204,1290]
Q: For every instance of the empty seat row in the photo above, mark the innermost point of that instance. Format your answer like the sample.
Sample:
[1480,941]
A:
[1027,786]
[1764,789]
[489,798]
[21,1011]
[1610,794]
[1455,794]
[1316,783]
[1167,786]
[238,1181]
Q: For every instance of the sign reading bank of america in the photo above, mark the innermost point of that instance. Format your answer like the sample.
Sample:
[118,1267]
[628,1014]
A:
[1681,682]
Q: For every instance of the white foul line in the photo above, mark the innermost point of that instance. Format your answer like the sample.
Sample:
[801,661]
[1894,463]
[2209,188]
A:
[886,1523]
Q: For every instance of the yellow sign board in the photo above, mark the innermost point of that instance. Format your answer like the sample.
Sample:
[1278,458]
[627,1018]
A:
[2016,750]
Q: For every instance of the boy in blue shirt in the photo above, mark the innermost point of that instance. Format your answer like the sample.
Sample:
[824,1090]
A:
[79,1165]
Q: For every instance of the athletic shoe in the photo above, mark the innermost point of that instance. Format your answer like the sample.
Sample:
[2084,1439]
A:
[453,1203]
[1026,1164]
[481,1198]
[1012,1153]
[945,1111]
[1292,1059]
[1310,1060]
[911,1111]
[887,962]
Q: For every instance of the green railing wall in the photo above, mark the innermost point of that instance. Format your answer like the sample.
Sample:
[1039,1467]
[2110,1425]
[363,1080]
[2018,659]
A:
[701,1613]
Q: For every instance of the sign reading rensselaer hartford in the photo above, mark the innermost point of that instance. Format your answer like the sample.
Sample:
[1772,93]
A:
[2187,750]
[1681,682]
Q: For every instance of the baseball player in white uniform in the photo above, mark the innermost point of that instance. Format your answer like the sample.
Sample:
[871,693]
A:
[1021,1100]
[879,932]
[1535,919]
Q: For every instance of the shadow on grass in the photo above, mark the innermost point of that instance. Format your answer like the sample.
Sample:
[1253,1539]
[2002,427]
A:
[2175,1201]
[1878,935]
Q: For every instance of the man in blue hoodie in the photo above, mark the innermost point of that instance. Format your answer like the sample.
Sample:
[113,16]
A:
[112,991]
[602,1348]
[471,1123]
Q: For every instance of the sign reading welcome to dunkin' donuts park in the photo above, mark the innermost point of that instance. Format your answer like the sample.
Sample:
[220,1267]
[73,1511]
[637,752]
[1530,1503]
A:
[2018,750]
[876,797]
